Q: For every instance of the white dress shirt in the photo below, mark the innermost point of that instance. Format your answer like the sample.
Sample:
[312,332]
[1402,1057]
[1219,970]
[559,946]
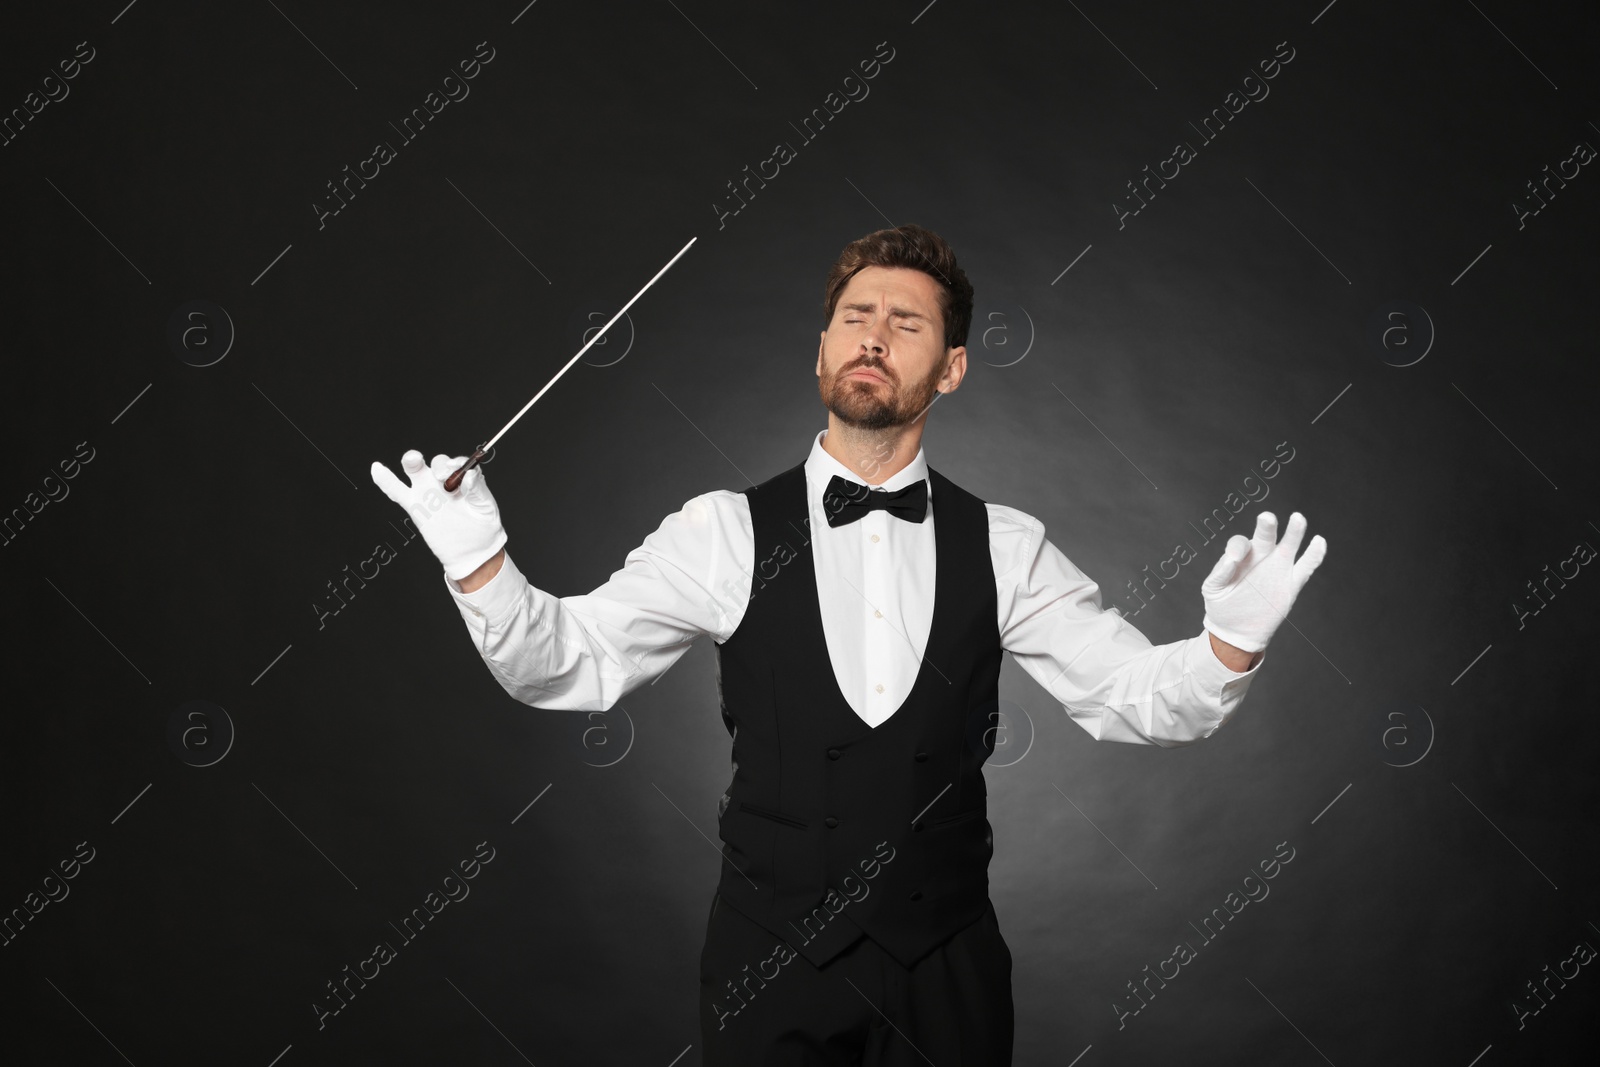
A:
[875,585]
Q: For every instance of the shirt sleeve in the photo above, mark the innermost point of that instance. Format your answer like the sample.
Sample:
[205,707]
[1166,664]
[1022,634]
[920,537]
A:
[1107,675]
[690,577]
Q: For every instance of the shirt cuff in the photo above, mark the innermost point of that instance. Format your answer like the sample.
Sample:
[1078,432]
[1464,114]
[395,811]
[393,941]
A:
[1212,674]
[495,599]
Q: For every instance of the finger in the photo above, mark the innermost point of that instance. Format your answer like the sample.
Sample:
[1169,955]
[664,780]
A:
[444,466]
[412,464]
[1228,564]
[1292,534]
[1309,560]
[391,485]
[1266,534]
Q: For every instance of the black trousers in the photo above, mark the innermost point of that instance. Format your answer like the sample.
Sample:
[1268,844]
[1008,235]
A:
[863,1007]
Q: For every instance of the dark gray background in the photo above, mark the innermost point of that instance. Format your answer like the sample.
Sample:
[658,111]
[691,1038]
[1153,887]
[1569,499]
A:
[1226,318]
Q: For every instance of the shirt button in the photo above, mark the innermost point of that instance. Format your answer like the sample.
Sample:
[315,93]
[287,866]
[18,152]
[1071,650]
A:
[874,537]
[478,613]
[876,614]
[921,757]
[830,822]
[916,827]
[833,753]
[916,894]
[880,687]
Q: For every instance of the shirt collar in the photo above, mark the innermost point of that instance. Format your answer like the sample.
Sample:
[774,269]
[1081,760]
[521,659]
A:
[820,467]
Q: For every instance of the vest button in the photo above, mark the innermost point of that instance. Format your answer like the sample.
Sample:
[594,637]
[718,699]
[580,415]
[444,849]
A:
[916,827]
[830,822]
[921,757]
[916,894]
[833,753]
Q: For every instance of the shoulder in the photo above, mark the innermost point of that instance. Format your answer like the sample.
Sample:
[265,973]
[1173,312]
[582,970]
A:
[1015,537]
[1004,522]
[1008,520]
[705,525]
[721,510]
[717,506]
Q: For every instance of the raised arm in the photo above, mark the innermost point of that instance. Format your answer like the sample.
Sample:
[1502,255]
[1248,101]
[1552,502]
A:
[585,652]
[1107,675]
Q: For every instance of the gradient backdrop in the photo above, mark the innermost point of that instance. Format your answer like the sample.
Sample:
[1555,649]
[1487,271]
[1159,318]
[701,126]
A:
[1377,259]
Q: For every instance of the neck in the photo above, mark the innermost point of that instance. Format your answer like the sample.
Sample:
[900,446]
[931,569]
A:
[875,455]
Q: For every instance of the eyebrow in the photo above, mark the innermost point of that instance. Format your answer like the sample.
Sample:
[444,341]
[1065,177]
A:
[896,312]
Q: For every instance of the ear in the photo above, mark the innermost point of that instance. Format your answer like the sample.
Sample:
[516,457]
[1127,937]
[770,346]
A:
[820,343]
[955,369]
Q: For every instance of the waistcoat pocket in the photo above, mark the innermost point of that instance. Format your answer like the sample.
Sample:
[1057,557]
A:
[775,816]
[960,816]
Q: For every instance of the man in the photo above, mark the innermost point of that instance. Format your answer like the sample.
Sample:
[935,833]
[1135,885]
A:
[859,603]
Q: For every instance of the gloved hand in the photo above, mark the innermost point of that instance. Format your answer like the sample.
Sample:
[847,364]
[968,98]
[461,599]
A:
[1253,585]
[463,528]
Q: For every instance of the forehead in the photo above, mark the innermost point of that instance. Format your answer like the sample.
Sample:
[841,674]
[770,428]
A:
[902,285]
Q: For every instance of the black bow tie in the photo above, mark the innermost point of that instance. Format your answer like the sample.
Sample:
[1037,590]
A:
[847,501]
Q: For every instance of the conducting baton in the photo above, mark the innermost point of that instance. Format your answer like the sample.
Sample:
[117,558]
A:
[452,483]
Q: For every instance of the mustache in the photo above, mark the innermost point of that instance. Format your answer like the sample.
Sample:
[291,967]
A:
[875,366]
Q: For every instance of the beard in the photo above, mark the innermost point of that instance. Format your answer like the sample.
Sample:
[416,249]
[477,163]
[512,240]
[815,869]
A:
[876,405]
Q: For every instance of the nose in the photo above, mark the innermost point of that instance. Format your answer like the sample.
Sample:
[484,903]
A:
[872,341]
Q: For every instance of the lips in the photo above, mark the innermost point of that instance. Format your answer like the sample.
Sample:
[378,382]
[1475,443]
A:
[864,373]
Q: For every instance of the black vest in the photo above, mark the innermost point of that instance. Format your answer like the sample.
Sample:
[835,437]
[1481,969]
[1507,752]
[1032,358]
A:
[833,829]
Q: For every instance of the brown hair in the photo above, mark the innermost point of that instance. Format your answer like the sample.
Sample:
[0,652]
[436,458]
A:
[913,247]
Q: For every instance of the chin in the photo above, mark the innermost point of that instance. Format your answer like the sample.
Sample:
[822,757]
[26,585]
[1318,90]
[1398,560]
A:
[876,419]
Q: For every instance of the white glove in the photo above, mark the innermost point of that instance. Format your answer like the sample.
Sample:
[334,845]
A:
[463,528]
[1250,590]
